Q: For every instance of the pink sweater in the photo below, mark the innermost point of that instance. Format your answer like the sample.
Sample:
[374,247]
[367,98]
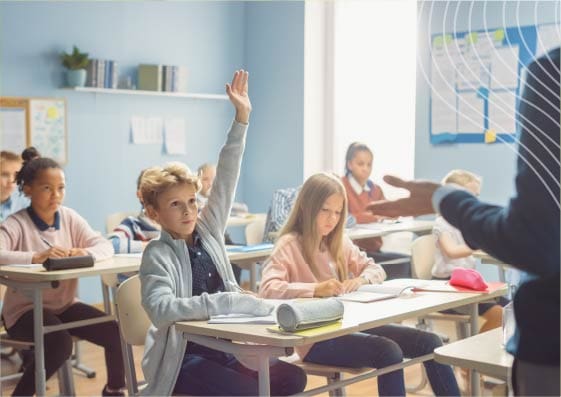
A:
[20,239]
[287,275]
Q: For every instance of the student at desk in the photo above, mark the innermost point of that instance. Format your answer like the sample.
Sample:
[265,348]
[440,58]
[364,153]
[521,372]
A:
[11,200]
[186,275]
[452,252]
[360,192]
[134,232]
[313,258]
[44,230]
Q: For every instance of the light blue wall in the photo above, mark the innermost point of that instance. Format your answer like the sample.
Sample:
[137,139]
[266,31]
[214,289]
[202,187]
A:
[496,163]
[207,37]
[275,57]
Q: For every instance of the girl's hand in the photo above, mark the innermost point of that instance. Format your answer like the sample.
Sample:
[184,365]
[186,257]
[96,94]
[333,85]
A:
[54,252]
[237,92]
[77,252]
[353,284]
[327,288]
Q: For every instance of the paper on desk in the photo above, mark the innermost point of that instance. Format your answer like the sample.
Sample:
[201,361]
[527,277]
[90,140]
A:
[27,265]
[242,319]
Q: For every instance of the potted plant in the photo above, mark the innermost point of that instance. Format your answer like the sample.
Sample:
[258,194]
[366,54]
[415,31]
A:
[76,63]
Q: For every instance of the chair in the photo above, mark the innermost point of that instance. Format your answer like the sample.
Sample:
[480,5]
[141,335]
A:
[422,260]
[134,324]
[255,231]
[113,220]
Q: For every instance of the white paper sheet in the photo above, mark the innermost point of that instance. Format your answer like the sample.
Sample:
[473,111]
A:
[443,112]
[12,125]
[549,37]
[470,113]
[504,68]
[146,130]
[175,142]
[502,112]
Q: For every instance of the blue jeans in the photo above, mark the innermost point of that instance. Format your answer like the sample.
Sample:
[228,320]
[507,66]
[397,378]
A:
[207,372]
[384,346]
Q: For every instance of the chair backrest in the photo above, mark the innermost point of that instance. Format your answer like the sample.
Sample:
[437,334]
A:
[422,257]
[255,230]
[113,220]
[133,320]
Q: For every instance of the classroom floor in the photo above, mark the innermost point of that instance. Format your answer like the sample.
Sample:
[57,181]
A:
[93,358]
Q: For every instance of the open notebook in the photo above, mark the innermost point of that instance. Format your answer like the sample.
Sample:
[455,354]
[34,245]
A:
[394,288]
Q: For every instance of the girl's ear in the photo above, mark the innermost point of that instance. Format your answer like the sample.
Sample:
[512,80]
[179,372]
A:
[27,190]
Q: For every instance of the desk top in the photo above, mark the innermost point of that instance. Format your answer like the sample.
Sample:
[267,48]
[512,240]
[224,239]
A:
[116,264]
[358,316]
[380,229]
[483,352]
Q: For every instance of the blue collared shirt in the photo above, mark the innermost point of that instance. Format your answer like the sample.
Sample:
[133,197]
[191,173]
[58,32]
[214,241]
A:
[13,204]
[41,225]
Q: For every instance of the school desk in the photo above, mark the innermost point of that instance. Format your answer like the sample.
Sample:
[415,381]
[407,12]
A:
[32,280]
[255,342]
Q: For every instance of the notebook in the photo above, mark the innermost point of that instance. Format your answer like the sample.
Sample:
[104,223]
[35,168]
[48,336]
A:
[249,248]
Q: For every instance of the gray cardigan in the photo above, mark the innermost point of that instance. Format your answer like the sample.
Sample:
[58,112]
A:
[165,275]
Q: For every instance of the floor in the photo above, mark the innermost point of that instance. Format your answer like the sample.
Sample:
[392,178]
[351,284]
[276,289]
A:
[93,358]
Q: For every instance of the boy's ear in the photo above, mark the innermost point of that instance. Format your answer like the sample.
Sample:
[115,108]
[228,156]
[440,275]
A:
[152,213]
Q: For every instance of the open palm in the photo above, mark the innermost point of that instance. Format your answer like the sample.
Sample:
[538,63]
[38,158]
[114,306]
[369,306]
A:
[238,93]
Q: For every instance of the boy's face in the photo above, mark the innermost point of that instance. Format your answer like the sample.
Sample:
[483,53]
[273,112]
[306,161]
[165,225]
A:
[207,179]
[177,211]
[8,171]
[361,166]
[329,214]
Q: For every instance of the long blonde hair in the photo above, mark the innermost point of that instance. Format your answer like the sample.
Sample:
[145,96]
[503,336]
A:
[302,221]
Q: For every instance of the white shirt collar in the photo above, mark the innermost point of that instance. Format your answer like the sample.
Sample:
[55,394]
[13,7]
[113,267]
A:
[356,186]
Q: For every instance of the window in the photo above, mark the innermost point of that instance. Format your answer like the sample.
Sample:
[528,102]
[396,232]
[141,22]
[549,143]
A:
[368,86]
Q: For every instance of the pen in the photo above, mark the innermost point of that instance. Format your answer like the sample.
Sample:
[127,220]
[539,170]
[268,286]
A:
[47,242]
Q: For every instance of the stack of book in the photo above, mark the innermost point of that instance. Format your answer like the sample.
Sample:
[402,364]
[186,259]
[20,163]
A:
[102,73]
[165,78]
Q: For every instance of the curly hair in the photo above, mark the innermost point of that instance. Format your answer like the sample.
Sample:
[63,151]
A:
[156,180]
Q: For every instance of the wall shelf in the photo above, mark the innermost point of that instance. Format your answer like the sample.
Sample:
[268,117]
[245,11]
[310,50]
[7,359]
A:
[119,91]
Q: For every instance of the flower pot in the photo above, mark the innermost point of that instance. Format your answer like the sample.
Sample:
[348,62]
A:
[76,78]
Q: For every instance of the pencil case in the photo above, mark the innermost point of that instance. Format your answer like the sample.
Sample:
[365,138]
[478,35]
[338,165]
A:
[73,262]
[298,315]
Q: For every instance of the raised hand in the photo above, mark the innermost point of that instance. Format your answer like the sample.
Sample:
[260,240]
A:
[419,201]
[238,93]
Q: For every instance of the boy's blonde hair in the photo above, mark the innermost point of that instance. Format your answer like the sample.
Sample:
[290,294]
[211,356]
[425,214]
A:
[6,155]
[156,180]
[461,177]
[302,220]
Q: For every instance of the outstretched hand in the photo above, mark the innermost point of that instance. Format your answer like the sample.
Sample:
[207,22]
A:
[238,93]
[419,201]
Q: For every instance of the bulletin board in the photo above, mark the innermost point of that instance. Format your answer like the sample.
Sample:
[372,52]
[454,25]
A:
[475,81]
[39,122]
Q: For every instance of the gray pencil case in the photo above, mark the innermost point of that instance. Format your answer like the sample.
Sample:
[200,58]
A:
[298,315]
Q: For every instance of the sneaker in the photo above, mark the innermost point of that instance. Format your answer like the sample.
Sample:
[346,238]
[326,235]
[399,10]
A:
[116,393]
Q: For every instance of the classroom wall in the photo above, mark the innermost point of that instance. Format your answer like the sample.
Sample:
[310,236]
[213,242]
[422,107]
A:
[207,37]
[274,46]
[495,163]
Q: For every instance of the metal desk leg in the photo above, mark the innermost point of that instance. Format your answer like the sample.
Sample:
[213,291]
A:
[40,382]
[473,330]
[253,277]
[264,381]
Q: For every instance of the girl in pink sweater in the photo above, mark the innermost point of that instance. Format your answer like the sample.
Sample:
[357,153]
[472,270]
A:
[313,258]
[23,239]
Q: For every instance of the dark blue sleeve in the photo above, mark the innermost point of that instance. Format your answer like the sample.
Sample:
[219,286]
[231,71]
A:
[526,232]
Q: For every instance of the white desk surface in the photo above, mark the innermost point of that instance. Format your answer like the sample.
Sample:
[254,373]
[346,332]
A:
[382,229]
[116,264]
[358,316]
[483,353]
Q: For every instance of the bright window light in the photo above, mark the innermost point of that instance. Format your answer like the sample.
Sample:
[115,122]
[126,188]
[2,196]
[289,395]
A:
[374,84]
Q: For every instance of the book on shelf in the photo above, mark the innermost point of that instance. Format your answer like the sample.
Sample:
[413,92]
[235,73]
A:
[150,77]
